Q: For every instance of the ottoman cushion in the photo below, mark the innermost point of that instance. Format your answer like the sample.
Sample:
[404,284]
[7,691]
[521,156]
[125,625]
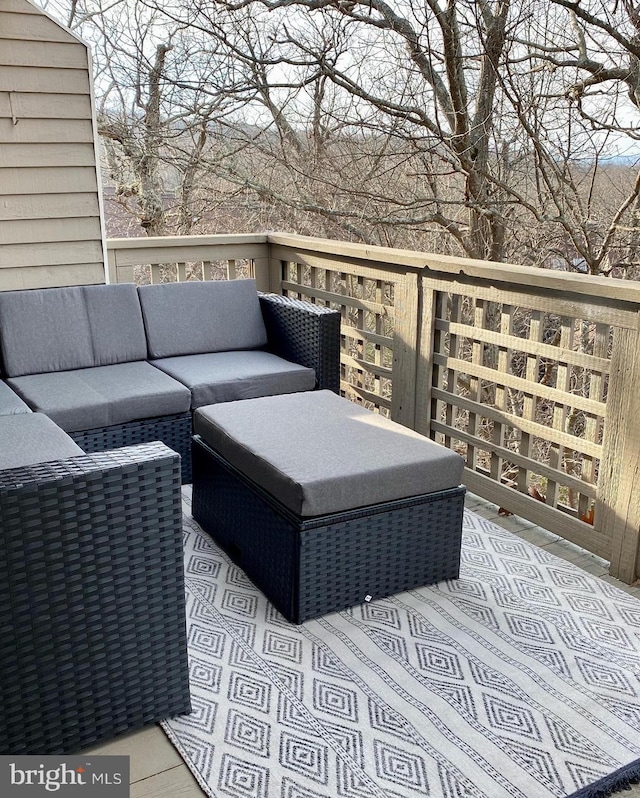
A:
[33,438]
[319,454]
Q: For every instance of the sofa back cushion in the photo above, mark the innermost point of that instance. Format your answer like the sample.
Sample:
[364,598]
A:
[115,321]
[44,330]
[196,317]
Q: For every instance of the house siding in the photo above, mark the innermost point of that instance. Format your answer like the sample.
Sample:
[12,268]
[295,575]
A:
[51,231]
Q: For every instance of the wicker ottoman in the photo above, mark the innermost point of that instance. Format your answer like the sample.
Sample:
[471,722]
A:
[324,504]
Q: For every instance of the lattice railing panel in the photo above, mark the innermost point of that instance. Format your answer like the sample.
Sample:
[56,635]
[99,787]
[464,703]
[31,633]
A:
[228,269]
[367,309]
[520,394]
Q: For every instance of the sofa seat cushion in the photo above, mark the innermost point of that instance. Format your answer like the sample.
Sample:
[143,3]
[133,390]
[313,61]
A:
[198,317]
[10,403]
[32,438]
[102,396]
[318,453]
[228,376]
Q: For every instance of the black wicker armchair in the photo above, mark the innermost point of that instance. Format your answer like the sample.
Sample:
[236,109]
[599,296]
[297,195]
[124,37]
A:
[92,625]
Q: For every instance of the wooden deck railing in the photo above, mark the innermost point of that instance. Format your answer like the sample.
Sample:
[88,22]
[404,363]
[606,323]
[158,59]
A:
[532,375]
[157,260]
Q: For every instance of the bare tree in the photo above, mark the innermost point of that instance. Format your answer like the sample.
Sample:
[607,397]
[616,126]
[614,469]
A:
[354,93]
[571,83]
[480,127]
[454,125]
[160,96]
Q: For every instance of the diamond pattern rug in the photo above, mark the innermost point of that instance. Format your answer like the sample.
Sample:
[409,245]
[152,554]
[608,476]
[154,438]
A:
[519,680]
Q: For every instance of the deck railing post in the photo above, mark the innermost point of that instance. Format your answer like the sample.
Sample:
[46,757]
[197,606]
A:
[405,350]
[424,369]
[618,502]
[272,272]
[111,272]
[261,274]
[115,271]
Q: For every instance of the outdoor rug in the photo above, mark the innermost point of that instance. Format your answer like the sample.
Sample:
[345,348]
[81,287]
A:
[520,679]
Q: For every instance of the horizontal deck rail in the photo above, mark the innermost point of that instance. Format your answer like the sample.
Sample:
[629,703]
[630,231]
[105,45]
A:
[533,376]
[171,258]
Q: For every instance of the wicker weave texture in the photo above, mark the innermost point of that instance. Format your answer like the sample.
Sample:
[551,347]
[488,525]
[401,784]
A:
[173,431]
[93,639]
[310,567]
[306,334]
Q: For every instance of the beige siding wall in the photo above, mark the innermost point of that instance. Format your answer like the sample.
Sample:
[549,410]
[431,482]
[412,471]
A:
[50,223]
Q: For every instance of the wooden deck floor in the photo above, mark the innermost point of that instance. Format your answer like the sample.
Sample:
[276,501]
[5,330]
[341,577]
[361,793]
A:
[157,771]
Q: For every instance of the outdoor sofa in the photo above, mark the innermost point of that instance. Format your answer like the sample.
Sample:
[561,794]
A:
[115,365]
[97,392]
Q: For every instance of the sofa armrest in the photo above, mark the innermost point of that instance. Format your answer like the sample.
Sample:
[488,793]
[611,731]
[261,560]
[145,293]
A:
[306,334]
[56,475]
[92,604]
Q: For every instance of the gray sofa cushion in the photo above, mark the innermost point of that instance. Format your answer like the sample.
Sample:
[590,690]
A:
[197,317]
[44,330]
[318,453]
[33,438]
[115,320]
[62,329]
[105,395]
[228,376]
[10,403]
